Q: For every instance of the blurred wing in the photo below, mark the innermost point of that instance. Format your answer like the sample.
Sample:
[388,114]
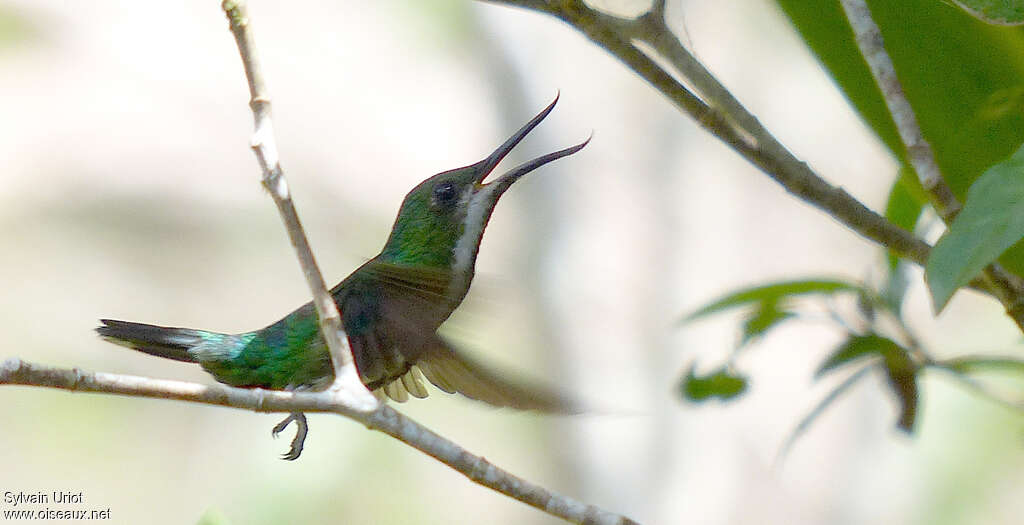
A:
[452,372]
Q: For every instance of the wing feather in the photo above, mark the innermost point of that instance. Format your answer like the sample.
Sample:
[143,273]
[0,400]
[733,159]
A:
[451,371]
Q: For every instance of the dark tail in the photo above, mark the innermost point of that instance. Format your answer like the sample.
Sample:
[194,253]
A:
[172,343]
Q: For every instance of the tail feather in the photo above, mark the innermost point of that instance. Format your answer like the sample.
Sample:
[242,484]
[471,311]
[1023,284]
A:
[161,341]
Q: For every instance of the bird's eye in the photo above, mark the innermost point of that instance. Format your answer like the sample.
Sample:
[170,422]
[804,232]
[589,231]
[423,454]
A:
[444,193]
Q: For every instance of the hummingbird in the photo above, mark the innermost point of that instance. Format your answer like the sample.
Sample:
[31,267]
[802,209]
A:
[391,308]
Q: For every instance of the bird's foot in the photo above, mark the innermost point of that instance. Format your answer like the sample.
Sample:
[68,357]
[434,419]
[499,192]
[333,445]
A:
[300,434]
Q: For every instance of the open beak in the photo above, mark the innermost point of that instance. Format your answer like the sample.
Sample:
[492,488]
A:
[499,185]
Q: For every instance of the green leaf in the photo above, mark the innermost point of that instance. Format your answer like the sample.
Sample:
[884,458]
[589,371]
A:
[999,12]
[991,221]
[900,370]
[773,292]
[764,318]
[722,384]
[858,346]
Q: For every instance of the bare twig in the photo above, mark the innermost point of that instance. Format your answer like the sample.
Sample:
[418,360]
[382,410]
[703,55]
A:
[384,419]
[718,111]
[1006,287]
[346,377]
[922,158]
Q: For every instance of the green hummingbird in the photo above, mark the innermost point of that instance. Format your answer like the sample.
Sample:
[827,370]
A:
[391,308]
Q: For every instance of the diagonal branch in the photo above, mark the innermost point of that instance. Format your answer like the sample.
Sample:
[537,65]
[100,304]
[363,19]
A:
[723,117]
[385,419]
[1007,287]
[346,377]
[719,112]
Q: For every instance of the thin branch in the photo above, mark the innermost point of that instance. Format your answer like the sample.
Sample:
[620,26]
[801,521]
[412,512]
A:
[718,111]
[385,419]
[1006,287]
[346,377]
[919,152]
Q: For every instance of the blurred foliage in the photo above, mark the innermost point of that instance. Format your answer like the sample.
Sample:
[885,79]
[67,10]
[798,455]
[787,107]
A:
[771,294]
[15,28]
[878,335]
[445,22]
[722,384]
[768,304]
[965,81]
[859,346]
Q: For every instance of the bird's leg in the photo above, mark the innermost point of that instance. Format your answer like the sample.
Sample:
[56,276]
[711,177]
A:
[300,434]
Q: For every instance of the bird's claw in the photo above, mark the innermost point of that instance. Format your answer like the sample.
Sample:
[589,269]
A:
[278,428]
[300,434]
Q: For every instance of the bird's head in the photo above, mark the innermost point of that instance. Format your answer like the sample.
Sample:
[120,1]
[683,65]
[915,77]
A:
[442,219]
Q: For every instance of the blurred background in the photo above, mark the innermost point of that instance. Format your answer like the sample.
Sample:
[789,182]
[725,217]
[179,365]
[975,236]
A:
[130,192]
